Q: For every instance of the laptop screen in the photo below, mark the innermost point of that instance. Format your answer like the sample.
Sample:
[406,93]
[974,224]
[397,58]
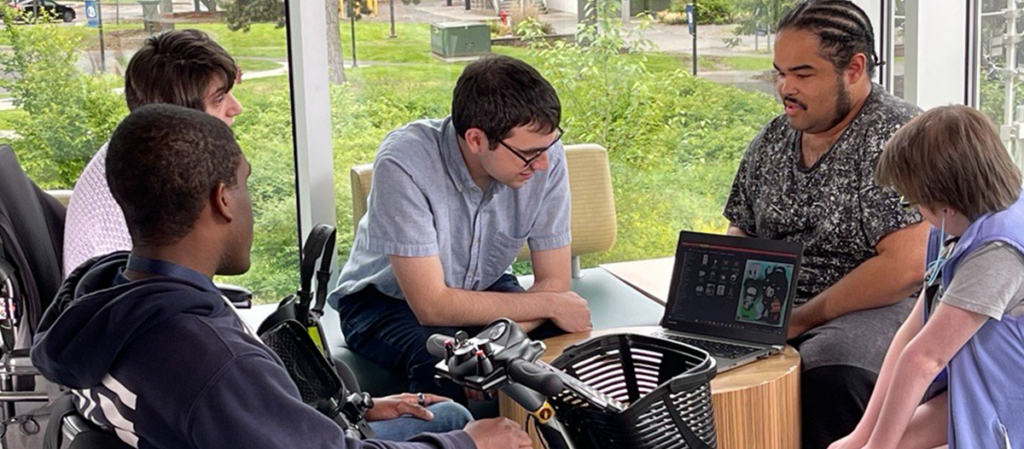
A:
[733,287]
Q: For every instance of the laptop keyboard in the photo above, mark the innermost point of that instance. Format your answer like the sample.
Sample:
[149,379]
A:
[717,349]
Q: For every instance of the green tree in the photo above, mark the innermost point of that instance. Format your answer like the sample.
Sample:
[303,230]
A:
[241,14]
[673,140]
[69,114]
[753,15]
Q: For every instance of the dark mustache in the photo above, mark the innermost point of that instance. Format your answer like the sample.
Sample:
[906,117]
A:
[789,99]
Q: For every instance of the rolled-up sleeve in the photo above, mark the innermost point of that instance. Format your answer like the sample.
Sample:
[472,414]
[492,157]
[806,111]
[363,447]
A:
[400,217]
[551,230]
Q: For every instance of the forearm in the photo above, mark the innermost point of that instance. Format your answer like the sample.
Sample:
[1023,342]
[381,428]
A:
[549,285]
[879,281]
[910,328]
[456,307]
[915,373]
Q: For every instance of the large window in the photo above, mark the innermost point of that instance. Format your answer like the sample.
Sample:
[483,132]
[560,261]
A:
[674,139]
[999,85]
[57,111]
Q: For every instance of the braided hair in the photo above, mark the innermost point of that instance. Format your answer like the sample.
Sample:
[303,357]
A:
[843,28]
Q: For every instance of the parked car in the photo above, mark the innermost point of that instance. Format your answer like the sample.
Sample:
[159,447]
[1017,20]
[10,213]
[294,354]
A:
[57,10]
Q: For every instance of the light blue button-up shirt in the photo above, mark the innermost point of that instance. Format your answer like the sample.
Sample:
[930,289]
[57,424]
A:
[423,202]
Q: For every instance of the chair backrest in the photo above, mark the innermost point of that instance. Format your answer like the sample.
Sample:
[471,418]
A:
[590,185]
[32,228]
[64,196]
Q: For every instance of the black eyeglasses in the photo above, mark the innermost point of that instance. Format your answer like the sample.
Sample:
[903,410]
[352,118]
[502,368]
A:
[907,204]
[528,161]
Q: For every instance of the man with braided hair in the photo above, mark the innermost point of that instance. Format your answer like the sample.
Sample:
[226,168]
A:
[808,177]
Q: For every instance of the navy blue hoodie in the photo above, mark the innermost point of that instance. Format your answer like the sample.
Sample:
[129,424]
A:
[164,362]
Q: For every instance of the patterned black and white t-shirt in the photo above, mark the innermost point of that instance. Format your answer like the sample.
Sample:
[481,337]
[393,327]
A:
[834,208]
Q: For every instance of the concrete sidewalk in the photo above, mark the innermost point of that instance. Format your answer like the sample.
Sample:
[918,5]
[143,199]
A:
[8,103]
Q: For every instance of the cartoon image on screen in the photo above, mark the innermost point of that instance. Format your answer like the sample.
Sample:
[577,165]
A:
[764,292]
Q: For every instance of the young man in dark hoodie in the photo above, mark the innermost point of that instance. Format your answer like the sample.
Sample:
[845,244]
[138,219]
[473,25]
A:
[149,346]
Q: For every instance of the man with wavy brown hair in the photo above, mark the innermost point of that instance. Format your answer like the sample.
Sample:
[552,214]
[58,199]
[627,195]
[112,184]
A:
[182,67]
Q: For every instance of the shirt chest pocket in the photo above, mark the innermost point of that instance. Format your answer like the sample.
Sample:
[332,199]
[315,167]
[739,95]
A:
[500,255]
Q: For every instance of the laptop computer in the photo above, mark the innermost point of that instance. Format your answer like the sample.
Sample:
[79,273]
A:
[731,296]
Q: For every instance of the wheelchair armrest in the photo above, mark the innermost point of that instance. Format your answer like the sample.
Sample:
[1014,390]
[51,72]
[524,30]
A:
[74,424]
[241,297]
[83,434]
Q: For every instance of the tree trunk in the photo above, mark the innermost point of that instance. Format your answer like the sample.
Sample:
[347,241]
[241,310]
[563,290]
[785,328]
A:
[335,60]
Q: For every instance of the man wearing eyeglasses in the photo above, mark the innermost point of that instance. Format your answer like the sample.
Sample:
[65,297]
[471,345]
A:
[451,204]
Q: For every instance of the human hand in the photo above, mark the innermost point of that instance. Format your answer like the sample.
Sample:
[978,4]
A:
[571,313]
[498,433]
[854,440]
[529,326]
[396,406]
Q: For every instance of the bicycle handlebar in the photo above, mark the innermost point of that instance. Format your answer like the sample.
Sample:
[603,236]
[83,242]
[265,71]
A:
[535,377]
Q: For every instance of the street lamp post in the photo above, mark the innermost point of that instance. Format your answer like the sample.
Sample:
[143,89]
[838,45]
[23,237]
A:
[352,19]
[391,3]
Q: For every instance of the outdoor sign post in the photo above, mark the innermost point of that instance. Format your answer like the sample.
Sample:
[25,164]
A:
[691,21]
[352,18]
[94,18]
[392,6]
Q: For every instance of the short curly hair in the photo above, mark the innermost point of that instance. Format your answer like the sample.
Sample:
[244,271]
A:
[162,163]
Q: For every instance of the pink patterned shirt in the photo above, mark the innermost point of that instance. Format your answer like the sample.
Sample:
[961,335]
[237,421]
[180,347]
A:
[95,224]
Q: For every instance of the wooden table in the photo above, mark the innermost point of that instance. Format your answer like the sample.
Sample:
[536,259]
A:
[650,277]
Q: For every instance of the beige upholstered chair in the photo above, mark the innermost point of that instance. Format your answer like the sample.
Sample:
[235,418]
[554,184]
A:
[593,203]
[64,196]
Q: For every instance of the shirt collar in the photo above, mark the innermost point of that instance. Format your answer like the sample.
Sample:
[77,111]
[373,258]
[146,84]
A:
[172,270]
[452,154]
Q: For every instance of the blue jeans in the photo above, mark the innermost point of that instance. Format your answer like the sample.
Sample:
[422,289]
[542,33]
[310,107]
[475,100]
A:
[448,416]
[385,330]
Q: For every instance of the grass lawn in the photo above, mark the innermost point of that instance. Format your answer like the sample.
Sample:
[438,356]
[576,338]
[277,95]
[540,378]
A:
[7,117]
[744,63]
[250,65]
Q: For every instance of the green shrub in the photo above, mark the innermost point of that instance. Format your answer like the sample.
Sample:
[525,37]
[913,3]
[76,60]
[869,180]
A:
[264,131]
[709,12]
[671,17]
[753,15]
[674,140]
[68,114]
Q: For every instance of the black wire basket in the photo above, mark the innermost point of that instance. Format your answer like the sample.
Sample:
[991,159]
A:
[644,392]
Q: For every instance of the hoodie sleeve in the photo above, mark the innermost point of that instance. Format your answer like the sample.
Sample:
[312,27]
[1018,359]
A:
[252,403]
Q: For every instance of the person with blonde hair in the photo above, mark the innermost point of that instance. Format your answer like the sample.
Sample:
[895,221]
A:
[951,376]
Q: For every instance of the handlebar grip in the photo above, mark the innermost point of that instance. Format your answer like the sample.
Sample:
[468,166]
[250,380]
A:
[535,377]
[435,345]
